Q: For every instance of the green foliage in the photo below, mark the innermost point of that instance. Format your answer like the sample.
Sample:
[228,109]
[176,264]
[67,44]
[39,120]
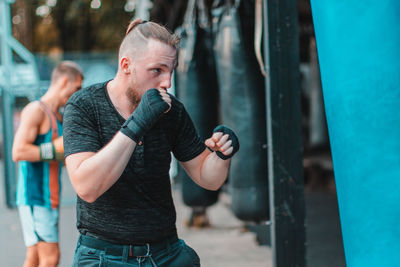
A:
[70,25]
[56,26]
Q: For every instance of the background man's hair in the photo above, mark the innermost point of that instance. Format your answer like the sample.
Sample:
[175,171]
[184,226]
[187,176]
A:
[66,68]
[139,32]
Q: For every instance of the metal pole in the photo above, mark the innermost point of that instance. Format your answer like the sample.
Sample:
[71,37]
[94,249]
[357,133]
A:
[7,104]
[143,9]
[281,55]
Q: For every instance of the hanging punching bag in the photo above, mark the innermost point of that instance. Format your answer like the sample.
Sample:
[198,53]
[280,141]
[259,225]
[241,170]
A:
[358,45]
[242,100]
[197,88]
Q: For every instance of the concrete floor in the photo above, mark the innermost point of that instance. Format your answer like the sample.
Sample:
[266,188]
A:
[225,243]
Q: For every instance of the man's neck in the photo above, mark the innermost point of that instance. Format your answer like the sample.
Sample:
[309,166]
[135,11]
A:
[117,92]
[51,100]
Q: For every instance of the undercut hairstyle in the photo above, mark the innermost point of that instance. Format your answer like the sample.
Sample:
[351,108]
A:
[67,68]
[139,33]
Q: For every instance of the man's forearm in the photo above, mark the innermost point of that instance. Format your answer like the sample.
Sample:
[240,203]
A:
[26,152]
[95,174]
[214,171]
[215,162]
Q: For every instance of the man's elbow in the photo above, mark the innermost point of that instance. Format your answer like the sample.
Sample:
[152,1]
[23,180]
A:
[16,155]
[212,186]
[87,196]
[85,193]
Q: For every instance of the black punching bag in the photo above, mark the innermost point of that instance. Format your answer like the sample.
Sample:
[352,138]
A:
[197,87]
[242,99]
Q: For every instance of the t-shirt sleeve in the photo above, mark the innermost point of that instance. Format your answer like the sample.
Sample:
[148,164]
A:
[79,129]
[188,143]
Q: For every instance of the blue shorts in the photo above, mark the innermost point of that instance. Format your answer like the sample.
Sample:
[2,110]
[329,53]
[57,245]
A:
[38,224]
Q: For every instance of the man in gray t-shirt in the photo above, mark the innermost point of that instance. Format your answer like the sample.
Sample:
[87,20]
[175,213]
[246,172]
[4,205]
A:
[118,137]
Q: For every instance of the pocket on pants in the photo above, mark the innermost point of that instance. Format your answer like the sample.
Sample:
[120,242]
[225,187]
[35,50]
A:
[178,255]
[192,255]
[88,257]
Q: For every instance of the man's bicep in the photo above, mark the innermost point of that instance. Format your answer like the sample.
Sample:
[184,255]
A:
[25,135]
[29,126]
[80,131]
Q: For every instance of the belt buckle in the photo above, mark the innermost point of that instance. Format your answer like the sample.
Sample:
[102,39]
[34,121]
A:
[142,256]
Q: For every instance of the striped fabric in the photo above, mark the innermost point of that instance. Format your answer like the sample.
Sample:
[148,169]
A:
[39,183]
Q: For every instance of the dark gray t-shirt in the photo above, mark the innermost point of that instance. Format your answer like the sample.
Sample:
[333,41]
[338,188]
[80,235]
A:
[138,208]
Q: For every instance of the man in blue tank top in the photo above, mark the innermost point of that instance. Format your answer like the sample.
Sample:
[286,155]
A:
[38,149]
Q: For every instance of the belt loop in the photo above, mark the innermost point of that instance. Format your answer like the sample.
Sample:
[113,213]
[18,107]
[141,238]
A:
[125,253]
[79,243]
[80,239]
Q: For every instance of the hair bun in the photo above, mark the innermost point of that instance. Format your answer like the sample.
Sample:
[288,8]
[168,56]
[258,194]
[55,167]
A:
[132,25]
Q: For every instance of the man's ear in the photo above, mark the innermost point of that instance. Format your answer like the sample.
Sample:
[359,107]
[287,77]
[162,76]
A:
[125,65]
[62,81]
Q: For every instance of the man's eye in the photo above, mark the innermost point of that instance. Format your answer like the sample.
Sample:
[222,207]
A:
[157,70]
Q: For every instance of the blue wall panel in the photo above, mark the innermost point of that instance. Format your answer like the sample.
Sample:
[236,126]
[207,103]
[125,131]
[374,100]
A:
[358,46]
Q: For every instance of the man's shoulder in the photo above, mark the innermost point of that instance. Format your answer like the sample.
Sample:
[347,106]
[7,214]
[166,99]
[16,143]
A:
[33,109]
[32,106]
[87,94]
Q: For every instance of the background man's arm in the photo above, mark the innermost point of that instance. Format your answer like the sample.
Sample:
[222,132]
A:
[23,148]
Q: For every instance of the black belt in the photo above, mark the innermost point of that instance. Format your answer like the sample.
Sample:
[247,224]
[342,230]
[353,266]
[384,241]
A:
[135,250]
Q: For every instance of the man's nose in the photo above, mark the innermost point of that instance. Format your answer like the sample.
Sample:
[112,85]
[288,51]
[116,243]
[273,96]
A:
[166,82]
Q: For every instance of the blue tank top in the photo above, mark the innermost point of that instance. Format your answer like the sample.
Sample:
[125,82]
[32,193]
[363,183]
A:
[39,183]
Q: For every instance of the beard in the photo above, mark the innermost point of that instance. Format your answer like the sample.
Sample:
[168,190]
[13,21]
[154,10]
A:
[132,94]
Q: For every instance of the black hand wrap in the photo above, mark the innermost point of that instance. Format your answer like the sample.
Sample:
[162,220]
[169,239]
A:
[232,136]
[147,113]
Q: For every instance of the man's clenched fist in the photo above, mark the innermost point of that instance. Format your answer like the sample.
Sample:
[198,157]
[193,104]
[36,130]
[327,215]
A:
[153,104]
[224,142]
